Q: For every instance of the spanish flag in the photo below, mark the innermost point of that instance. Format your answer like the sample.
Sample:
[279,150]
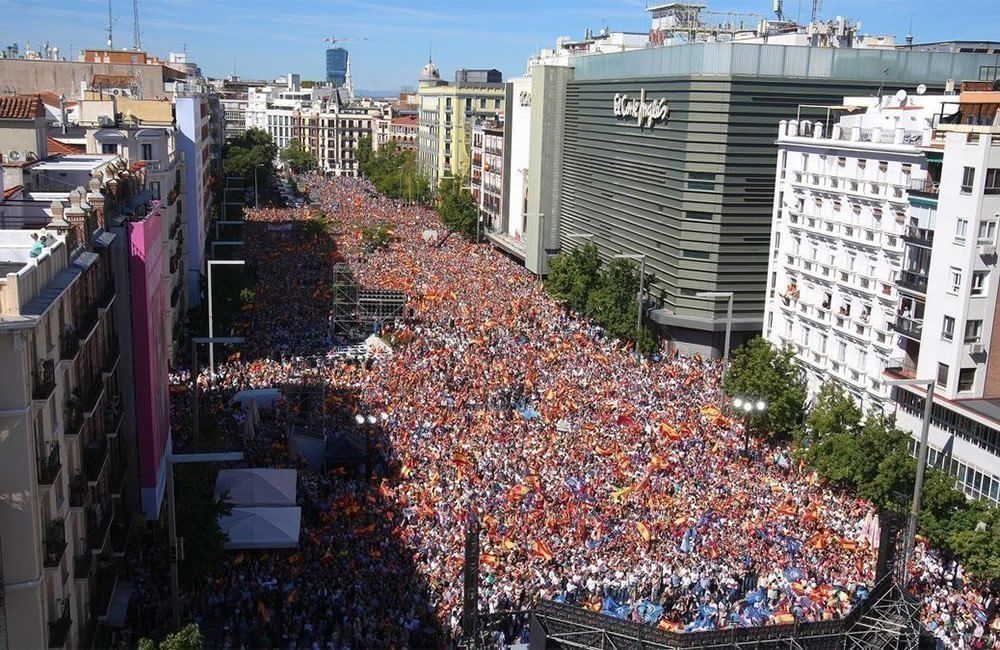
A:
[518,492]
[669,431]
[490,560]
[623,493]
[541,550]
[461,459]
[669,626]
[643,531]
[710,411]
[508,544]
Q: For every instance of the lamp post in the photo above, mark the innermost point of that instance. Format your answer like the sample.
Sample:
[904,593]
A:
[748,406]
[911,525]
[729,317]
[585,236]
[211,318]
[642,278]
[256,195]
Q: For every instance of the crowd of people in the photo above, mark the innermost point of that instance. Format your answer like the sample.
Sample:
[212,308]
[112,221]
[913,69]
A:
[595,477]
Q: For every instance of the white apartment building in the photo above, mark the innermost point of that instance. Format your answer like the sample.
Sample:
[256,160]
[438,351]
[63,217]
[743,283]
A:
[486,170]
[883,263]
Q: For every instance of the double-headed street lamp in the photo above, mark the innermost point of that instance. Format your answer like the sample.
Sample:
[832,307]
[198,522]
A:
[729,316]
[747,407]
[911,526]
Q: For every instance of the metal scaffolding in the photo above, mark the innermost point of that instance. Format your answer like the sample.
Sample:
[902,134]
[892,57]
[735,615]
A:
[356,310]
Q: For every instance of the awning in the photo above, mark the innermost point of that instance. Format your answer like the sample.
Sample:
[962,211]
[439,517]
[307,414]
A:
[257,487]
[262,528]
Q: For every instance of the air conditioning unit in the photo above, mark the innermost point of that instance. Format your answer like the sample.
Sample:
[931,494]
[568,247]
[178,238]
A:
[986,249]
[17,155]
[105,120]
[976,348]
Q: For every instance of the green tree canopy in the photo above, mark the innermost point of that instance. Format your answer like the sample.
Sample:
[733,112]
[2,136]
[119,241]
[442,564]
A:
[760,371]
[573,276]
[198,515]
[188,638]
[393,171]
[249,150]
[457,207]
[296,157]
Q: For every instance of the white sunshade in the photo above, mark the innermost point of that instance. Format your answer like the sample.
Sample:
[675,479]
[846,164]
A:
[262,528]
[264,398]
[258,487]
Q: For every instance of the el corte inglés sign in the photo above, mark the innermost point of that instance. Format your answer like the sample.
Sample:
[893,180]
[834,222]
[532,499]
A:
[645,112]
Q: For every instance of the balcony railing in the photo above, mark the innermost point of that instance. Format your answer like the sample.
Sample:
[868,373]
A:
[924,186]
[95,457]
[98,516]
[48,464]
[113,416]
[82,564]
[107,295]
[72,418]
[909,327]
[913,281]
[104,588]
[69,345]
[88,323]
[121,529]
[78,490]
[45,380]
[93,393]
[59,628]
[55,543]
[111,357]
[920,236]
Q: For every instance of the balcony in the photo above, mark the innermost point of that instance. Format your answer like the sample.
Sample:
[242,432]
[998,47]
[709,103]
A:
[55,543]
[44,380]
[82,564]
[104,588]
[98,516]
[72,417]
[919,236]
[69,345]
[94,390]
[95,458]
[107,296]
[913,281]
[909,327]
[111,358]
[121,530]
[78,490]
[113,416]
[48,464]
[59,628]
[924,187]
[87,324]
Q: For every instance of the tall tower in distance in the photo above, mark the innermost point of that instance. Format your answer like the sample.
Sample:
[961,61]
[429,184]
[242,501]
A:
[337,64]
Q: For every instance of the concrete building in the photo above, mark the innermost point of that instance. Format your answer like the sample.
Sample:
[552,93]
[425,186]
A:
[918,184]
[447,113]
[22,128]
[487,170]
[64,536]
[331,134]
[668,152]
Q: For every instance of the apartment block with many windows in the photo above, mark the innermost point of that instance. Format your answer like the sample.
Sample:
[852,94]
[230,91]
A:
[883,264]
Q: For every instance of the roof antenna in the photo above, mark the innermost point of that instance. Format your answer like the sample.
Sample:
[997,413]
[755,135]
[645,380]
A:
[430,51]
[136,41]
[111,22]
[909,34]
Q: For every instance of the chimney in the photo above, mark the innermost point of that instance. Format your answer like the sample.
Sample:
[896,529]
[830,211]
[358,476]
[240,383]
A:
[80,218]
[61,226]
[96,200]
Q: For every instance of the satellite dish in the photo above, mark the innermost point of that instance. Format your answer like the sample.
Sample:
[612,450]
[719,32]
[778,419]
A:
[901,95]
[921,89]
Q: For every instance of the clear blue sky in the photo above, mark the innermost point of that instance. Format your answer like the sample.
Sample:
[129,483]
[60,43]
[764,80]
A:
[268,39]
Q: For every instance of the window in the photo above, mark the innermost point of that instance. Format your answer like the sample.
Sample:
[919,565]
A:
[696,255]
[154,187]
[966,378]
[841,161]
[961,228]
[468,103]
[956,280]
[496,103]
[993,181]
[862,360]
[841,351]
[147,151]
[447,103]
[698,216]
[968,178]
[482,102]
[942,376]
[948,328]
[987,231]
[109,148]
[701,181]
[978,287]
[973,331]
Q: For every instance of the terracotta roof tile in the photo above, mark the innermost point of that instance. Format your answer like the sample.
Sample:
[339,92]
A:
[53,146]
[21,107]
[52,99]
[11,191]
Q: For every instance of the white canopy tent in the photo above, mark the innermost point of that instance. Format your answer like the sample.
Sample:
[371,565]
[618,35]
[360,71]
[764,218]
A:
[258,487]
[262,528]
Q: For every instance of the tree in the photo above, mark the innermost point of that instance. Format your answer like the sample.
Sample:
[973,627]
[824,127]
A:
[760,371]
[613,303]
[835,411]
[249,150]
[393,171]
[457,207]
[188,638]
[376,236]
[198,515]
[296,157]
[573,276]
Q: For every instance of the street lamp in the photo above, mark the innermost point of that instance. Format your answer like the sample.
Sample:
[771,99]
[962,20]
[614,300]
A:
[211,318]
[642,278]
[729,316]
[585,236]
[256,195]
[747,407]
[911,526]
